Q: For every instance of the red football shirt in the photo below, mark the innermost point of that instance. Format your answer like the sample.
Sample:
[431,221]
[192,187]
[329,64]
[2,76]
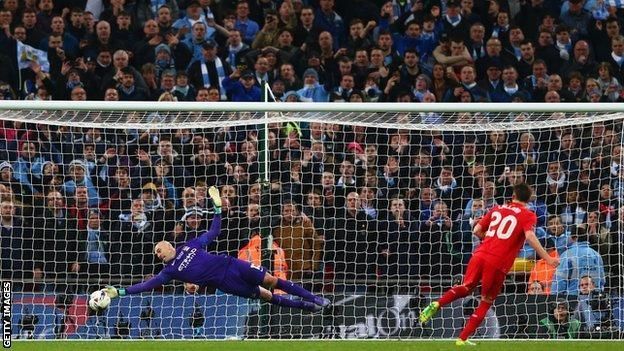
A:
[504,236]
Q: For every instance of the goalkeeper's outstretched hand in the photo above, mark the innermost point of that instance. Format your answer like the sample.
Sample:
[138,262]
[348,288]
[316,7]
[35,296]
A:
[216,198]
[113,292]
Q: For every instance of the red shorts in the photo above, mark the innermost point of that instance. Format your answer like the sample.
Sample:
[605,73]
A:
[491,278]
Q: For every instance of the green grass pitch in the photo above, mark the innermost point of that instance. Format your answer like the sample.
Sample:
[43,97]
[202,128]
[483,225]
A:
[315,345]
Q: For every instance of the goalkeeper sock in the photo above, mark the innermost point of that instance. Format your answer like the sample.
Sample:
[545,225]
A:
[475,320]
[286,302]
[294,289]
[453,294]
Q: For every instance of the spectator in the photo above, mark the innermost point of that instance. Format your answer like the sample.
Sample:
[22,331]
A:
[302,245]
[467,83]
[578,260]
[328,20]
[210,70]
[312,91]
[128,90]
[55,247]
[133,233]
[593,310]
[616,60]
[17,241]
[243,89]
[560,324]
[350,248]
[248,27]
[542,273]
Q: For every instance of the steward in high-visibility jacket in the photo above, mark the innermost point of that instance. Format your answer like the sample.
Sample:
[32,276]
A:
[252,253]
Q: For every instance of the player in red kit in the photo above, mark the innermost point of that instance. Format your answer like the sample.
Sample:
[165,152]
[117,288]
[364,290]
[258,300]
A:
[503,231]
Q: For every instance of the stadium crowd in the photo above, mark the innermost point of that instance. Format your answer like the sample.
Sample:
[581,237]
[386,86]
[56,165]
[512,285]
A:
[351,206]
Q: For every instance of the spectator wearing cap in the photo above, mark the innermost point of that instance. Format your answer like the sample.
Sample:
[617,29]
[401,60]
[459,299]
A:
[248,27]
[163,60]
[194,14]
[241,86]
[453,22]
[312,91]
[210,70]
[560,323]
[492,82]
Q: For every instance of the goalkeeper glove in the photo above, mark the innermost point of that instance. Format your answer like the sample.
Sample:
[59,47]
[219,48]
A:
[216,199]
[113,292]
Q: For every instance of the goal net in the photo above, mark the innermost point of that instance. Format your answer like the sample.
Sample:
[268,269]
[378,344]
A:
[369,205]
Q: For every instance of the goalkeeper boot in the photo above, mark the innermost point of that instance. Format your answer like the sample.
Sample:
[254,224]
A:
[321,301]
[460,342]
[429,312]
[310,306]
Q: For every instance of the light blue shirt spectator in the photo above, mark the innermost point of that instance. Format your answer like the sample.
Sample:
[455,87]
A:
[578,260]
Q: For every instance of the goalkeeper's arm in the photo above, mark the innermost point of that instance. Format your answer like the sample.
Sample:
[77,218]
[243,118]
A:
[150,284]
[215,227]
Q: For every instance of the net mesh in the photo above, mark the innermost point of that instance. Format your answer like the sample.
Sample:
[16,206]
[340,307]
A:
[373,210]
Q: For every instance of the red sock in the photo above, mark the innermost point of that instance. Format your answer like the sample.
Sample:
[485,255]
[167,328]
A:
[475,320]
[453,294]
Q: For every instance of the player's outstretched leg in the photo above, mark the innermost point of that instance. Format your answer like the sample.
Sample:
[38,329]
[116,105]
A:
[449,296]
[275,299]
[272,282]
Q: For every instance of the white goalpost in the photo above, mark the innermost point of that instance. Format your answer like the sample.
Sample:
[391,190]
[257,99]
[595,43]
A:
[368,204]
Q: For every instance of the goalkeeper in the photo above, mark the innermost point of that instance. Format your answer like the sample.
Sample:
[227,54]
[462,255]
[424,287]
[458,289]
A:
[191,263]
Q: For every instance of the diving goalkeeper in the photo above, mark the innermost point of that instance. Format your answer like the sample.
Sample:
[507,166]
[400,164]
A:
[191,263]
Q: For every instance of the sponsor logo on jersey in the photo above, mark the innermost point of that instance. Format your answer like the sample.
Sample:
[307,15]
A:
[189,257]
